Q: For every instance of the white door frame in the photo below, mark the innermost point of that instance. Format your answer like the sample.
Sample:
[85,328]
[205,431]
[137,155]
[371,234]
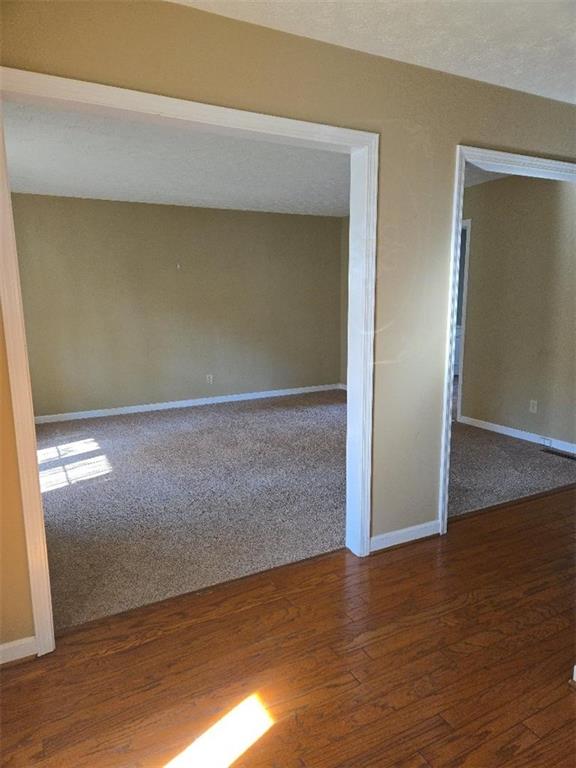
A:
[497,162]
[363,150]
[467,225]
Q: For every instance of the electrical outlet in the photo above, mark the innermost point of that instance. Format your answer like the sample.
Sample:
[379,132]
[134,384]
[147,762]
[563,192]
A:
[533,406]
[209,378]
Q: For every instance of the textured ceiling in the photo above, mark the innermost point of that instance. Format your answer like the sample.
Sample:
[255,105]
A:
[528,45]
[74,154]
[475,175]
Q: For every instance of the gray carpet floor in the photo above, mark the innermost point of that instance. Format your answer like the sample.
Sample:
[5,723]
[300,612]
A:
[142,507]
[487,468]
[139,508]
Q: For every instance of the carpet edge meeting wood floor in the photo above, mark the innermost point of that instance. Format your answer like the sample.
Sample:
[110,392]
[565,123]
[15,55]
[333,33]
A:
[452,651]
[146,506]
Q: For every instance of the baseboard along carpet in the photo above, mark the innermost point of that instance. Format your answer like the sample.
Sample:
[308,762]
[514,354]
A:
[143,507]
[487,469]
[146,506]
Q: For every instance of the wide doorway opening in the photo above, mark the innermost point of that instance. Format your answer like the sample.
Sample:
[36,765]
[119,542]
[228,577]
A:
[195,304]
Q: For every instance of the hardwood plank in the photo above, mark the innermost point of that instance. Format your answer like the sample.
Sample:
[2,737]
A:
[493,752]
[478,737]
[523,693]
[557,714]
[453,651]
[556,749]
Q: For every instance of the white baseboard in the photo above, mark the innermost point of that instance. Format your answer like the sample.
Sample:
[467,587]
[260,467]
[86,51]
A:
[392,539]
[17,649]
[184,403]
[519,434]
[341,386]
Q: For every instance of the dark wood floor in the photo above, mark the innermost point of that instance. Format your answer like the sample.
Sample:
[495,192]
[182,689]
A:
[454,651]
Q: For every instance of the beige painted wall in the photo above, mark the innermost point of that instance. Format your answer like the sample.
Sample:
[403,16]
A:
[520,335]
[15,607]
[345,234]
[131,303]
[420,115]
